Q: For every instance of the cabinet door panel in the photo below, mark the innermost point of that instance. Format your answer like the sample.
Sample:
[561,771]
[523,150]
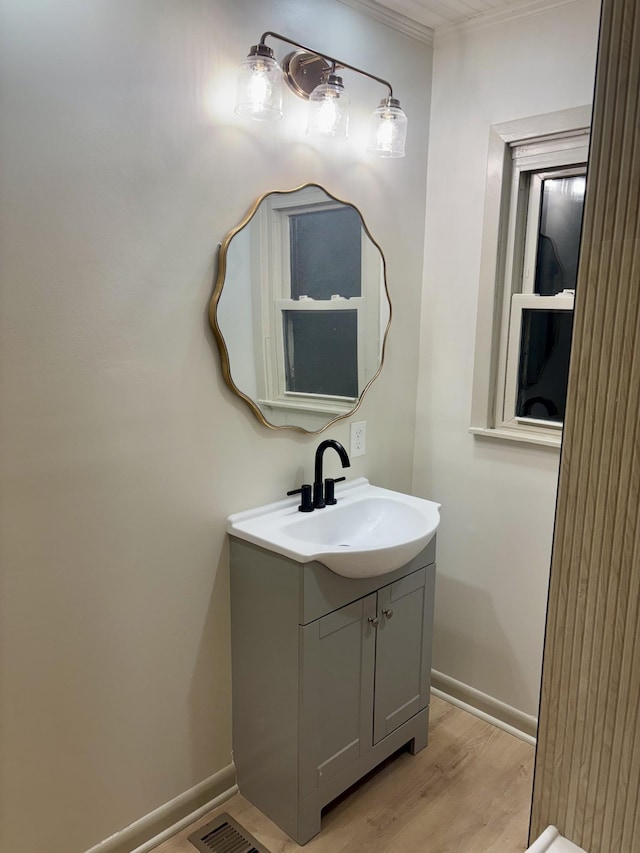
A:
[337,666]
[403,652]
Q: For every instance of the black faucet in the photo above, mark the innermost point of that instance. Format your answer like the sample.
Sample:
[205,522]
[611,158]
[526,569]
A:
[318,487]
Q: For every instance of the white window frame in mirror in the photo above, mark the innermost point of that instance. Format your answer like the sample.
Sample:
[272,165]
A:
[271,277]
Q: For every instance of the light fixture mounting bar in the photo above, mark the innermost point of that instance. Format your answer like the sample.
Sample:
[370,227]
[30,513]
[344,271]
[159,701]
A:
[335,62]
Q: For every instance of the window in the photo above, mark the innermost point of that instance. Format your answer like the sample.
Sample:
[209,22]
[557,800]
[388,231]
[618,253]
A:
[321,346]
[318,278]
[531,241]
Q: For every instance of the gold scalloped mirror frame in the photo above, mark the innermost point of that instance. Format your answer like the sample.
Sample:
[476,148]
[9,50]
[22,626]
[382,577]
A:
[221,272]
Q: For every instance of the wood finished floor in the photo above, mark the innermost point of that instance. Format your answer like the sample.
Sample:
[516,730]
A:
[469,791]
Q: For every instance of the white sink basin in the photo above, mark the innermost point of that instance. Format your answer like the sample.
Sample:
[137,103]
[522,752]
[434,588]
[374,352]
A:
[370,531]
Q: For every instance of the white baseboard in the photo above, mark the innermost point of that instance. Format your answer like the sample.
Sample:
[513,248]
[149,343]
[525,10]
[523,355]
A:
[486,707]
[147,832]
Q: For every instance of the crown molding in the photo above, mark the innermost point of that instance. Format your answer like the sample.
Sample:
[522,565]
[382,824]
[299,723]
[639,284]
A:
[500,16]
[392,19]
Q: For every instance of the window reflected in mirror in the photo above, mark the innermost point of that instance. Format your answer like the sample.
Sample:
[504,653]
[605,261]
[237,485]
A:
[321,352]
[325,250]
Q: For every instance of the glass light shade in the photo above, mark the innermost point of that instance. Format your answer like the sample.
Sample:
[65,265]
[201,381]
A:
[329,109]
[388,130]
[260,86]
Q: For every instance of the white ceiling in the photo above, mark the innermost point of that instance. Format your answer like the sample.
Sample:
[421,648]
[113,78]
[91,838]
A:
[438,14]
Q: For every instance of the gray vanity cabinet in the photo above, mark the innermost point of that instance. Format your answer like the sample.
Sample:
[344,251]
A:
[337,669]
[403,651]
[331,675]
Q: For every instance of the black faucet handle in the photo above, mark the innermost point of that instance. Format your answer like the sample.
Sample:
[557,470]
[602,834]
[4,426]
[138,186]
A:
[318,495]
[306,501]
[329,493]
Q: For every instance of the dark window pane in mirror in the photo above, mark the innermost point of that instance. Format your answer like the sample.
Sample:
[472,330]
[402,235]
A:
[559,234]
[321,352]
[543,371]
[326,253]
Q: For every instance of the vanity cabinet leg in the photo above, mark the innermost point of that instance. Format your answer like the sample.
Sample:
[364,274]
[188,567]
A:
[419,741]
[309,817]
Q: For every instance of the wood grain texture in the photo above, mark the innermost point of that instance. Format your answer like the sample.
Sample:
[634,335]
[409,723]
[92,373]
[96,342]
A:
[587,773]
[468,791]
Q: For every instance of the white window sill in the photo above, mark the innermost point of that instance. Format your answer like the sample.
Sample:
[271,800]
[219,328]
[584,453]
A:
[333,409]
[522,436]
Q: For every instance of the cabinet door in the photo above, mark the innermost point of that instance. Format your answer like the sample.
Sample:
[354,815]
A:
[403,651]
[337,672]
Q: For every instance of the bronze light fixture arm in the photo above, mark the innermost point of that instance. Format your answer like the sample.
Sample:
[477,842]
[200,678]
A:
[335,62]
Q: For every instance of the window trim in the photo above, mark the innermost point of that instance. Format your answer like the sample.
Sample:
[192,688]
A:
[521,254]
[498,277]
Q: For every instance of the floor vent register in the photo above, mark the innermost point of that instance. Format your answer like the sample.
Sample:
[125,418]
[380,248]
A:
[225,835]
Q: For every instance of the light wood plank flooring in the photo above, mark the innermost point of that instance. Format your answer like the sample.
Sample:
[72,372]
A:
[469,791]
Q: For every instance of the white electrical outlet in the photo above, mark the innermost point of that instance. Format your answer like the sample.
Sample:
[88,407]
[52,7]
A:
[358,438]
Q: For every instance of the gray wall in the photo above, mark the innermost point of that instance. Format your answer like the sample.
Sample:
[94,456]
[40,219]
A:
[121,450]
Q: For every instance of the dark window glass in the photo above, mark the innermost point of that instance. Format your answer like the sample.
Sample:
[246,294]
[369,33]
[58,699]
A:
[559,235]
[545,345]
[321,354]
[325,253]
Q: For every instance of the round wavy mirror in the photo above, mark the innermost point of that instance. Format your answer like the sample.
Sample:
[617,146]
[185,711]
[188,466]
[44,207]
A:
[300,309]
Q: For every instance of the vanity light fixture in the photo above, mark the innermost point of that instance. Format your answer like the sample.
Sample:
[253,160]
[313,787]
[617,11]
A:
[312,75]
[329,108]
[260,85]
